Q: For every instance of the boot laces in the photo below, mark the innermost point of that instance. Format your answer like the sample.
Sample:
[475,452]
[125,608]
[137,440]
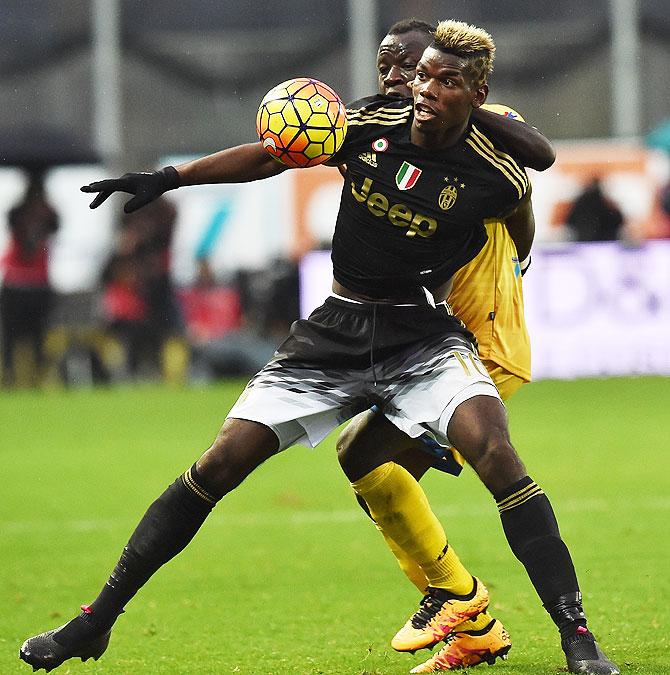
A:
[429,606]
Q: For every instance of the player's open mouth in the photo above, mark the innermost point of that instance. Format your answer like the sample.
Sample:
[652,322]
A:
[423,112]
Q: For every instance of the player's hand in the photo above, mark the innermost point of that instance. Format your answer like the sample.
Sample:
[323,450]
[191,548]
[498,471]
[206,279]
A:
[145,186]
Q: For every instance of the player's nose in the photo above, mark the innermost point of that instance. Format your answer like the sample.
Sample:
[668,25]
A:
[394,76]
[427,89]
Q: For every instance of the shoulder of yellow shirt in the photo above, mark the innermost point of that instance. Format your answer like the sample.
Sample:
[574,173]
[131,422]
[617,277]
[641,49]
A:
[503,110]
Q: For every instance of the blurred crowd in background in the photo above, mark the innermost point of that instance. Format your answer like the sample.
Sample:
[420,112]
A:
[138,325]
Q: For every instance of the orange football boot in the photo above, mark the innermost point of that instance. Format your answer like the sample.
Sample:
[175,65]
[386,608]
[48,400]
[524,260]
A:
[439,613]
[464,649]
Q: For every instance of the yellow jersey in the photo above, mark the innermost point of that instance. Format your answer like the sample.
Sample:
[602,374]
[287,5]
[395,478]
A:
[488,297]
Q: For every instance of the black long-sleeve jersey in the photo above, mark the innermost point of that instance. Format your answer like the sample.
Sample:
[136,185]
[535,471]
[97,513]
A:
[410,217]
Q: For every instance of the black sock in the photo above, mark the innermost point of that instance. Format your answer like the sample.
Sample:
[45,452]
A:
[533,535]
[164,531]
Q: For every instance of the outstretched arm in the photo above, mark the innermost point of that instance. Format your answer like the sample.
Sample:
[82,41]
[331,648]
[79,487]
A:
[530,147]
[240,164]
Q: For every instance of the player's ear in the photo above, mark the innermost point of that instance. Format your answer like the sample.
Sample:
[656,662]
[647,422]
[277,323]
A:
[480,95]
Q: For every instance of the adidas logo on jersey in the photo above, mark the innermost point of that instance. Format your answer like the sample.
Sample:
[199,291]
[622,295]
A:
[369,158]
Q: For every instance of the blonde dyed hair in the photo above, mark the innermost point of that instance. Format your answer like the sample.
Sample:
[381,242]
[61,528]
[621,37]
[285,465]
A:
[474,45]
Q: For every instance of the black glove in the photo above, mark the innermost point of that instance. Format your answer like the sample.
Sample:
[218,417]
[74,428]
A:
[145,186]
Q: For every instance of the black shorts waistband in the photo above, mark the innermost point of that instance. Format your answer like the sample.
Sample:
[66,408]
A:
[365,307]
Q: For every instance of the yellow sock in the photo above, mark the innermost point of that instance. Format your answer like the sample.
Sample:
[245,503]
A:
[408,565]
[478,622]
[401,510]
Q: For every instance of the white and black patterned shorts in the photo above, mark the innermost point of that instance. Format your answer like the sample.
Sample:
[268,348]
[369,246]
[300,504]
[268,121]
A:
[416,363]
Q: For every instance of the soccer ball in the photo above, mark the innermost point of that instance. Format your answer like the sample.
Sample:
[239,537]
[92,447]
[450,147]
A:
[301,122]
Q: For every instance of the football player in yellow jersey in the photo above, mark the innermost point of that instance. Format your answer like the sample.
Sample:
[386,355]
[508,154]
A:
[487,296]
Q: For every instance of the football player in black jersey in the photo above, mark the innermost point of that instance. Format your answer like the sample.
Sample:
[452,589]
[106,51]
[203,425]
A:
[522,504]
[404,227]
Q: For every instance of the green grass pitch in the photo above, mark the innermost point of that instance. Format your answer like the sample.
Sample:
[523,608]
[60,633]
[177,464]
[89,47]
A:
[287,576]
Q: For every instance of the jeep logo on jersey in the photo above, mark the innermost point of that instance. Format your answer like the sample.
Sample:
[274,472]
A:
[407,176]
[399,215]
[447,197]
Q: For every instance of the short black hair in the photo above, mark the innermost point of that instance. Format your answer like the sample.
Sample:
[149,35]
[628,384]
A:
[408,25]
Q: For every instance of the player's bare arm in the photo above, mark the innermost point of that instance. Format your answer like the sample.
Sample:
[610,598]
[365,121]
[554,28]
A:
[531,147]
[240,164]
